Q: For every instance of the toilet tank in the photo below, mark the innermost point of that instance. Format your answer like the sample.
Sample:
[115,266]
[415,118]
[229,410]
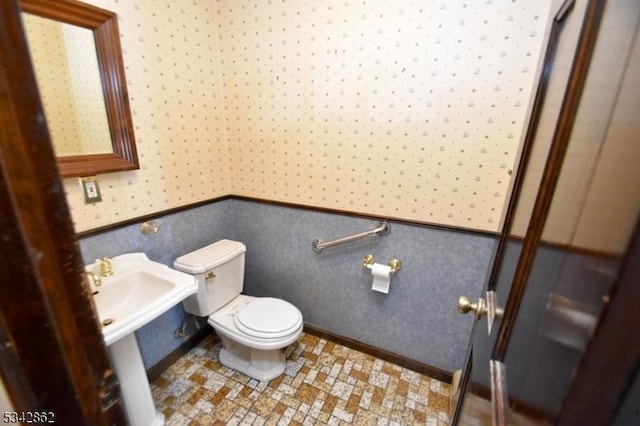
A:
[219,270]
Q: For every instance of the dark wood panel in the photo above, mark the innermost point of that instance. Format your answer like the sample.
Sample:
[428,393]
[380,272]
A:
[54,357]
[613,353]
[551,173]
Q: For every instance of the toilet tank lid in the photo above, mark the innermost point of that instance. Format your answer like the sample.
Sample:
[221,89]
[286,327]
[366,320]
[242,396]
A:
[208,257]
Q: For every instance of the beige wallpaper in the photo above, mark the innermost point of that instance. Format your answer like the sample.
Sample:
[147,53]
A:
[404,109]
[172,69]
[612,201]
[597,200]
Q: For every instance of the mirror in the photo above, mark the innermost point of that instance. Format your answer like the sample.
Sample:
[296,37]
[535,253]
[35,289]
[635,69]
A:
[66,66]
[75,49]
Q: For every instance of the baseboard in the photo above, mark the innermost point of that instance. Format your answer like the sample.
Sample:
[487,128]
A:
[402,361]
[156,371]
[445,376]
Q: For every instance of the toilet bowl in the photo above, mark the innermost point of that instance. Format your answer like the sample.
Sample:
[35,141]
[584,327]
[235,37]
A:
[254,330]
[253,334]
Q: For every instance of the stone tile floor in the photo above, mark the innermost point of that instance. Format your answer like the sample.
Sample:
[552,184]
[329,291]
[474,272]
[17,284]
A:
[325,383]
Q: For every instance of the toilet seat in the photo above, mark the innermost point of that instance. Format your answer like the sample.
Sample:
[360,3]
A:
[224,323]
[268,318]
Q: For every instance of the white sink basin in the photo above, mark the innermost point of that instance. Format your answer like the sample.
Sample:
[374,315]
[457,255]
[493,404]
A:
[139,291]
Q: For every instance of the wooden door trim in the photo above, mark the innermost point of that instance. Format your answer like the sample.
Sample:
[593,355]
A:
[530,136]
[612,354]
[551,173]
[532,128]
[53,358]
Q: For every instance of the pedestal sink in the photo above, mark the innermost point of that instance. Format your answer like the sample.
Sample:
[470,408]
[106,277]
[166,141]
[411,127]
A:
[139,291]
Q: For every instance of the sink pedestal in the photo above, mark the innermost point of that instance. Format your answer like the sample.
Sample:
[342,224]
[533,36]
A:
[138,291]
[136,392]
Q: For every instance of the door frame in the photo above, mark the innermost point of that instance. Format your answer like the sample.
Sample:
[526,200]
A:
[504,239]
[612,357]
[600,367]
[52,357]
[551,174]
[53,361]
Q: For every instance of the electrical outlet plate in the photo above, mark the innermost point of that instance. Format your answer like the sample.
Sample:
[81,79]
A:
[90,189]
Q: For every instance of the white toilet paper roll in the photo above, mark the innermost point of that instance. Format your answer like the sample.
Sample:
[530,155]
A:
[381,277]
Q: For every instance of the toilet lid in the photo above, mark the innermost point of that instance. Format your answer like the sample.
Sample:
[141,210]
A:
[268,318]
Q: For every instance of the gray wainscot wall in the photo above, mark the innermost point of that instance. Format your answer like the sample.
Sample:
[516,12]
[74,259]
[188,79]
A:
[417,319]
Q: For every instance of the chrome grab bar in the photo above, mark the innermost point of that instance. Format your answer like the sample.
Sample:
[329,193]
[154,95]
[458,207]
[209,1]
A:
[383,229]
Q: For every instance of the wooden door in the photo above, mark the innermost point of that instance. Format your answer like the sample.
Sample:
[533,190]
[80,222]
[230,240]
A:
[53,362]
[569,251]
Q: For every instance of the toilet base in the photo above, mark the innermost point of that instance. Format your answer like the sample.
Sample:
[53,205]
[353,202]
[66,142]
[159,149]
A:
[263,365]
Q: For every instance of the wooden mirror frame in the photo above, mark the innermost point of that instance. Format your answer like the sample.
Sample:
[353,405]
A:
[104,25]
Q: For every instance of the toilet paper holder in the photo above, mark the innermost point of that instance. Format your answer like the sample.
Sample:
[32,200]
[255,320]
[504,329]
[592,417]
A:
[369,260]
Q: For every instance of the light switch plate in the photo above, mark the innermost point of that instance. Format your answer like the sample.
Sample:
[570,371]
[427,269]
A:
[90,189]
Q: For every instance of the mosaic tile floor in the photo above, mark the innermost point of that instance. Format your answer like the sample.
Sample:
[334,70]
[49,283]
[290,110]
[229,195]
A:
[325,383]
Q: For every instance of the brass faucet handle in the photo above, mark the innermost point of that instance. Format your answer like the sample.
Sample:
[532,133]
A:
[106,267]
[97,281]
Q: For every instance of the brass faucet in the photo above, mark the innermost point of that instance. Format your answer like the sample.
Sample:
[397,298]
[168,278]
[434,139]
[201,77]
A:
[97,281]
[106,267]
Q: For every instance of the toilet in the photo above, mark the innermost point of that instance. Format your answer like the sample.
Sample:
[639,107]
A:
[254,330]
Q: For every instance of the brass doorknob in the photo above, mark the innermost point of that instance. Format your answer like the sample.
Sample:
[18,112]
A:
[465,306]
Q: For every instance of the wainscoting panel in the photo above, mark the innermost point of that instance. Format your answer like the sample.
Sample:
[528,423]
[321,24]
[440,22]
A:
[416,320]
[179,233]
[418,317]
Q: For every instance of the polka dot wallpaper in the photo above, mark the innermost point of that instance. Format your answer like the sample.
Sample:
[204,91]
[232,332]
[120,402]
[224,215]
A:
[172,68]
[408,109]
[597,199]
[403,109]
